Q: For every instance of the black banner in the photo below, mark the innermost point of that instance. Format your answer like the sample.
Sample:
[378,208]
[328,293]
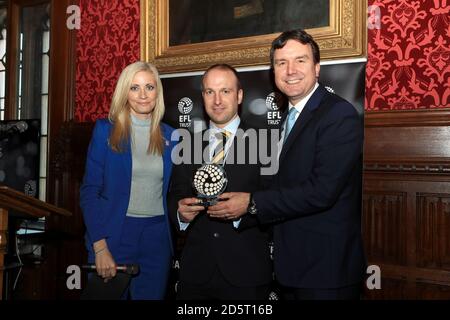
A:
[262,104]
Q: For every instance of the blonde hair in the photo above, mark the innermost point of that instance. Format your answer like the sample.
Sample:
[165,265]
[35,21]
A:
[119,113]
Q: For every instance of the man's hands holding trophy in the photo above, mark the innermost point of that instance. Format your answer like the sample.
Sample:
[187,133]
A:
[210,181]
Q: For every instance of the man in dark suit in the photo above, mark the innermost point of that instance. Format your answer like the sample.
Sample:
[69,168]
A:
[220,259]
[315,197]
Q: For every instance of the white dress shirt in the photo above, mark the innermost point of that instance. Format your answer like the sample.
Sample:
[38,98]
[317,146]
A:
[299,106]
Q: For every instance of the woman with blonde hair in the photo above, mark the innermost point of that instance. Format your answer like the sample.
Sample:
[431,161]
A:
[123,195]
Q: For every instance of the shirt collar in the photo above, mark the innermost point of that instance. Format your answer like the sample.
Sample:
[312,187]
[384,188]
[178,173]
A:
[230,127]
[301,104]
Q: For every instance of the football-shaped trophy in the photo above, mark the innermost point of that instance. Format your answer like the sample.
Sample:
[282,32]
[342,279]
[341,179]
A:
[210,181]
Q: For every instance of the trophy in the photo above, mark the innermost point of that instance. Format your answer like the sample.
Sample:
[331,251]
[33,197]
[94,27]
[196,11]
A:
[210,181]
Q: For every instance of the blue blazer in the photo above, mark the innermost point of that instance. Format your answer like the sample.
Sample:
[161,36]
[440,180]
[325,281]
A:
[105,191]
[315,198]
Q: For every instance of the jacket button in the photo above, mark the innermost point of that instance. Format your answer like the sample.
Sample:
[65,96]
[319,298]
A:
[216,235]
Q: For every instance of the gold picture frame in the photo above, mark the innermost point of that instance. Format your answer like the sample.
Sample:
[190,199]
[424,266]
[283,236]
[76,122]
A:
[344,37]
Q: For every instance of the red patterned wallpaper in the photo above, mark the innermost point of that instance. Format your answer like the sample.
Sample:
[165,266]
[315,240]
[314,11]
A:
[107,41]
[409,56]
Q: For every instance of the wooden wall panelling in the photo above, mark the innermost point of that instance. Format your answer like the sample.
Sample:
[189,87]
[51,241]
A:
[67,171]
[385,242]
[406,203]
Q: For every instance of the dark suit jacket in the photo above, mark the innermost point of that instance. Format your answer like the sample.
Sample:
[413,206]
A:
[242,255]
[315,197]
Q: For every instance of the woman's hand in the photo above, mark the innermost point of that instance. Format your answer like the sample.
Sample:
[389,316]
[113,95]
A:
[104,261]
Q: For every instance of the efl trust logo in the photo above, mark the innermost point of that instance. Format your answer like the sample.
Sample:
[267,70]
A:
[185,106]
[273,102]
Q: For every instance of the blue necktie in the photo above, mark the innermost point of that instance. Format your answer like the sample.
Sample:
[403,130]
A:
[290,121]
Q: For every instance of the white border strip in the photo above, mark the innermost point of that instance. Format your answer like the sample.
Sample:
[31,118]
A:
[343,61]
[259,68]
[181,74]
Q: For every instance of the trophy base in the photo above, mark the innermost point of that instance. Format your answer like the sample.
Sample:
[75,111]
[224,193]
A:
[208,202]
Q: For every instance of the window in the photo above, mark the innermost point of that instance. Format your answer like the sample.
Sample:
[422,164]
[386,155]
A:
[33,74]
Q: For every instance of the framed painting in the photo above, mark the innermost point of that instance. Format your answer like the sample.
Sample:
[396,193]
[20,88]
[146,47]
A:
[190,35]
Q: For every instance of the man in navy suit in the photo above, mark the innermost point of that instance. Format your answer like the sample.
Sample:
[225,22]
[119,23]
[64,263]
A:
[315,197]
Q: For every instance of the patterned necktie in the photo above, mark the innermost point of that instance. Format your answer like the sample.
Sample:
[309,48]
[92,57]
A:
[219,151]
[290,121]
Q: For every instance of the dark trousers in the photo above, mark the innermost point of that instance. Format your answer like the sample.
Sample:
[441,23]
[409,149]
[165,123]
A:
[218,288]
[343,293]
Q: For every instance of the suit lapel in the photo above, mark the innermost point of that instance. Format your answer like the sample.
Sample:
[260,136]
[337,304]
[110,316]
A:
[303,119]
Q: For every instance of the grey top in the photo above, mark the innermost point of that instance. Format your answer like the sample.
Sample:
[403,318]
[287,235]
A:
[147,174]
